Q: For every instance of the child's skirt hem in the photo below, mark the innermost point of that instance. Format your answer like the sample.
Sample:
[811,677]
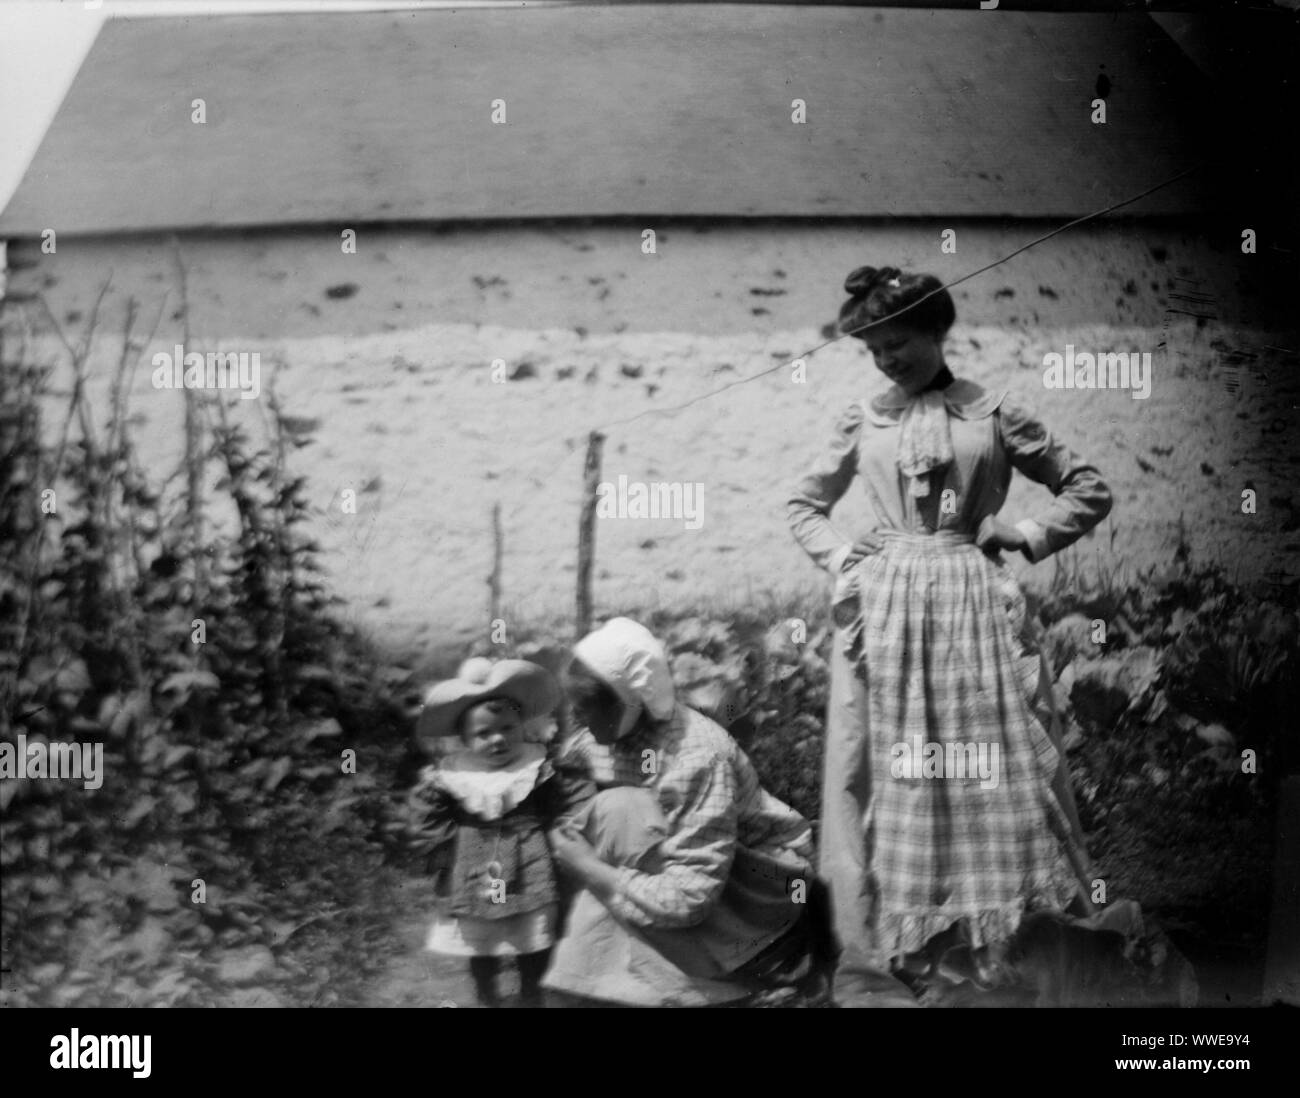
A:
[529,932]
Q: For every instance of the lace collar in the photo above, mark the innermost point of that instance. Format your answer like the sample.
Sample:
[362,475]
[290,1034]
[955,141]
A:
[488,793]
[964,400]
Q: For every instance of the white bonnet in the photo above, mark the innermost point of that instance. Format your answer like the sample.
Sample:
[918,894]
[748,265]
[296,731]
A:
[632,661]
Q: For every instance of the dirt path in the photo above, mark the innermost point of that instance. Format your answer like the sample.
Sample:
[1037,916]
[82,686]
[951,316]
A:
[414,978]
[1228,973]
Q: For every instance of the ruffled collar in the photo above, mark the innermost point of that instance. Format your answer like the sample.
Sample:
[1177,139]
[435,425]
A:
[963,399]
[488,793]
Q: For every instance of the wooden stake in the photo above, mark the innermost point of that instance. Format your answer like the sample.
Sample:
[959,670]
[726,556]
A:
[494,580]
[587,530]
[194,457]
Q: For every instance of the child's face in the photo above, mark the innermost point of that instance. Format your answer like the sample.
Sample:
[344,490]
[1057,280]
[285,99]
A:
[495,737]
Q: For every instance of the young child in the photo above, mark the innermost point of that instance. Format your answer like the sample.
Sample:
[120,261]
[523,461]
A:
[483,810]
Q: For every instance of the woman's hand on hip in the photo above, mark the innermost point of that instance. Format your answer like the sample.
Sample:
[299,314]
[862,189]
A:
[863,547]
[994,534]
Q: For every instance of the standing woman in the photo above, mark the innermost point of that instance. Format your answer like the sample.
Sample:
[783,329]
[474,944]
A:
[934,647]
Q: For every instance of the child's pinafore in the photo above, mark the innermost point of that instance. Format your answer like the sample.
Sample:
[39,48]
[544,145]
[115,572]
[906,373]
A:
[485,830]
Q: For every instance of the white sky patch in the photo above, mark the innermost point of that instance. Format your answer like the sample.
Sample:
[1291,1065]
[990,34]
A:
[42,46]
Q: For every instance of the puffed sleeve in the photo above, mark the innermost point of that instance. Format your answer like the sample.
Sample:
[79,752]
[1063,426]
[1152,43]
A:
[695,858]
[1082,498]
[809,509]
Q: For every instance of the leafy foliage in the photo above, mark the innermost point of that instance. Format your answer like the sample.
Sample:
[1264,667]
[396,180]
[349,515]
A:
[206,664]
[1193,671]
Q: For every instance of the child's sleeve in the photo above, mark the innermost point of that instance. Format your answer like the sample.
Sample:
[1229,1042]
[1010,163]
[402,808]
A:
[570,788]
[431,820]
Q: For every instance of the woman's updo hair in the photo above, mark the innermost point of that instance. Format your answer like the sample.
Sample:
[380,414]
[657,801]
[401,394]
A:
[878,292]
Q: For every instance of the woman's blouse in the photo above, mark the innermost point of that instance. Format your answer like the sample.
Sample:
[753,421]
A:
[992,434]
[714,805]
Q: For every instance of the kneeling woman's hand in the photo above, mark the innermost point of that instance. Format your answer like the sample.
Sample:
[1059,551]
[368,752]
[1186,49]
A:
[578,859]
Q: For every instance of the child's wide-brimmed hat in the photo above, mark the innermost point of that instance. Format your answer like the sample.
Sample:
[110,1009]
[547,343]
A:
[531,687]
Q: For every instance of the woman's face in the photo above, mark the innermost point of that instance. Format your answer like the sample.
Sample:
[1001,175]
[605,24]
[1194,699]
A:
[595,706]
[908,357]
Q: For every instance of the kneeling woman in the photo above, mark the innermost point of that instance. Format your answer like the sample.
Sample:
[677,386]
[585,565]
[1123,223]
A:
[692,880]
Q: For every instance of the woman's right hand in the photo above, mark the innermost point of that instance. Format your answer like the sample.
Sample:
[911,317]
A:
[571,851]
[578,859]
[863,547]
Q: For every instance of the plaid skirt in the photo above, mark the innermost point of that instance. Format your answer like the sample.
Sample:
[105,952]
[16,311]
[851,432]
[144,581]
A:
[936,764]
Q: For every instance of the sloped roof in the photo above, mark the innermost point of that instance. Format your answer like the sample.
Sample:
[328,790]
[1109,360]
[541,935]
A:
[678,110]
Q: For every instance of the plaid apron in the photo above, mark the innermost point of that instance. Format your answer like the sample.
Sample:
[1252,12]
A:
[953,793]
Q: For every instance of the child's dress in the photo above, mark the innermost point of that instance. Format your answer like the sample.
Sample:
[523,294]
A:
[485,830]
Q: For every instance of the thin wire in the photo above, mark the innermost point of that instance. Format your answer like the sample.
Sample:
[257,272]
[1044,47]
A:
[885,319]
[571,442]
